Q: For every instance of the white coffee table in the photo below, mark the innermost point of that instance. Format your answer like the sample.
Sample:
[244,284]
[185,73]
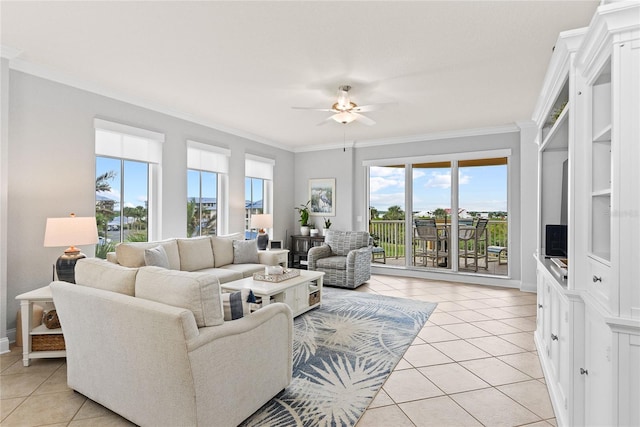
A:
[296,292]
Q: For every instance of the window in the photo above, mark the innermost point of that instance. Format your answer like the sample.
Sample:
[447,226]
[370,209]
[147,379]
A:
[127,164]
[442,212]
[258,189]
[208,168]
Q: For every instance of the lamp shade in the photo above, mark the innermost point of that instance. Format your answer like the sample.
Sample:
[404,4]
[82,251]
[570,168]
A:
[71,231]
[261,221]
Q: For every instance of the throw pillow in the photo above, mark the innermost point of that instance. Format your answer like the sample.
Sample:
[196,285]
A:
[245,252]
[156,257]
[236,305]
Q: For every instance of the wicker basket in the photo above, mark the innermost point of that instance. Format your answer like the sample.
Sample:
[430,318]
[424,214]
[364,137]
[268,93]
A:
[314,297]
[47,342]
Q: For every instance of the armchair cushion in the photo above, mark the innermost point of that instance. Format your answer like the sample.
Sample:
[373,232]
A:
[341,242]
[197,292]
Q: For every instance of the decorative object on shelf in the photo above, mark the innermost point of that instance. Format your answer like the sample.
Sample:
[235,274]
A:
[314,231]
[322,193]
[287,273]
[304,211]
[262,222]
[327,225]
[50,319]
[70,231]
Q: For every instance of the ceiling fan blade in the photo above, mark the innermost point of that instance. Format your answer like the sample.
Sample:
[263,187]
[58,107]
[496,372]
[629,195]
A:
[364,119]
[372,107]
[314,109]
[325,121]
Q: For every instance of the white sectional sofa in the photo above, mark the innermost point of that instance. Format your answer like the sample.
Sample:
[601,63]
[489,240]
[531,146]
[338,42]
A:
[152,344]
[227,257]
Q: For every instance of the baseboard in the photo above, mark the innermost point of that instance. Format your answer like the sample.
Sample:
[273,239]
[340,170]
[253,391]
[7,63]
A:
[4,345]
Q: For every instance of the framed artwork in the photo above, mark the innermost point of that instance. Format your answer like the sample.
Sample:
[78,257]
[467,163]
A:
[322,193]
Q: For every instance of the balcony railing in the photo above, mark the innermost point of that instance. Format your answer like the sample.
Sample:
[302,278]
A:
[391,234]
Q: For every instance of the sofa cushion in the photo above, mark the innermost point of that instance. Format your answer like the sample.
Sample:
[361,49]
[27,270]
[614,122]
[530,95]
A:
[102,274]
[246,270]
[223,274]
[223,248]
[195,253]
[237,304]
[245,252]
[131,254]
[156,257]
[198,292]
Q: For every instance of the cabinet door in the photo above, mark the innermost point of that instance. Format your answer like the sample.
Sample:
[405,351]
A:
[598,371]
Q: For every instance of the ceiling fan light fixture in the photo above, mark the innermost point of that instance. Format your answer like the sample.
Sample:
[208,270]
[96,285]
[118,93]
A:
[343,117]
[344,102]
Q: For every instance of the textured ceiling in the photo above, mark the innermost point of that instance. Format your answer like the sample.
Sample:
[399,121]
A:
[446,65]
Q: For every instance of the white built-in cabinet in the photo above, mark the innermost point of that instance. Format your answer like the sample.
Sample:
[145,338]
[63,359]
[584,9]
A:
[588,113]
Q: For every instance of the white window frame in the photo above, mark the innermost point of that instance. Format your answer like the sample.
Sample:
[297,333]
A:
[140,145]
[262,168]
[454,158]
[211,158]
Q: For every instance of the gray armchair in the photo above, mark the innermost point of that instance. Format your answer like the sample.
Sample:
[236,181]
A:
[345,258]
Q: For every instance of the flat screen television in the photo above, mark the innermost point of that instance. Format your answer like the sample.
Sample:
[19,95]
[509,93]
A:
[556,240]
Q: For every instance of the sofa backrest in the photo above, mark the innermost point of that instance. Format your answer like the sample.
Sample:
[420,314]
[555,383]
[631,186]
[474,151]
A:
[100,274]
[131,254]
[341,242]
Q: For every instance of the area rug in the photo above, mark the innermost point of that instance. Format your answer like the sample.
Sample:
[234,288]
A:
[343,353]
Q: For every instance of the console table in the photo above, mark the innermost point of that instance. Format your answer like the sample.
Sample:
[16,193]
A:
[300,246]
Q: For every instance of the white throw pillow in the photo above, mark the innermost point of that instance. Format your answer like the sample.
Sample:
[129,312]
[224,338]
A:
[245,252]
[198,292]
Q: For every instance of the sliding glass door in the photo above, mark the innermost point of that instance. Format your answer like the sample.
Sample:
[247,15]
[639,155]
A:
[442,214]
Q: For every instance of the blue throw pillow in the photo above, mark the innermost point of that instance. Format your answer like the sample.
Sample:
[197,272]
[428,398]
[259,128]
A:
[237,304]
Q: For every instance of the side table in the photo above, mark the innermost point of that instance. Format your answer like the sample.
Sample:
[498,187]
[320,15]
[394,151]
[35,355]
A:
[26,311]
[275,257]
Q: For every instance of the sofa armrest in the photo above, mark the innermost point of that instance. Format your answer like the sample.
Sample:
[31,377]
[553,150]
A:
[316,253]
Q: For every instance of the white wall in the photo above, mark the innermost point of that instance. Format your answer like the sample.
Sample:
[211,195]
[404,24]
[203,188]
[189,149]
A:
[4,173]
[51,170]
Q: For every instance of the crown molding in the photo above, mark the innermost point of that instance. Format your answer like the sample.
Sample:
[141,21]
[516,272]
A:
[63,78]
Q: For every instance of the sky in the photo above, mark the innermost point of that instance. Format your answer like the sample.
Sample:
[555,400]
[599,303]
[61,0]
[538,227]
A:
[482,188]
[136,180]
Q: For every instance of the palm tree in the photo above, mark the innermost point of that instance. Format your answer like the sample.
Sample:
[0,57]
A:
[394,213]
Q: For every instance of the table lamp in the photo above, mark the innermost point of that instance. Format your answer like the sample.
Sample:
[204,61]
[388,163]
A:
[262,221]
[61,232]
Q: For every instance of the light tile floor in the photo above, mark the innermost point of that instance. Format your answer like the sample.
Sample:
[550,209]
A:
[474,363]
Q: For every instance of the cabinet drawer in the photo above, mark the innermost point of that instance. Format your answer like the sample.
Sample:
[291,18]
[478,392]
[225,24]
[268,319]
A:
[600,281]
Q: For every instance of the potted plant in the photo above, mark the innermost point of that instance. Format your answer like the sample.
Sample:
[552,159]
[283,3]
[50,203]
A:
[327,225]
[304,211]
[314,230]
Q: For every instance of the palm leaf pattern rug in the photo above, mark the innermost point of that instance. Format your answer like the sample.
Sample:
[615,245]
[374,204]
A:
[343,351]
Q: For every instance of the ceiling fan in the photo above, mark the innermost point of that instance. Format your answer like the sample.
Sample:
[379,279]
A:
[345,111]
